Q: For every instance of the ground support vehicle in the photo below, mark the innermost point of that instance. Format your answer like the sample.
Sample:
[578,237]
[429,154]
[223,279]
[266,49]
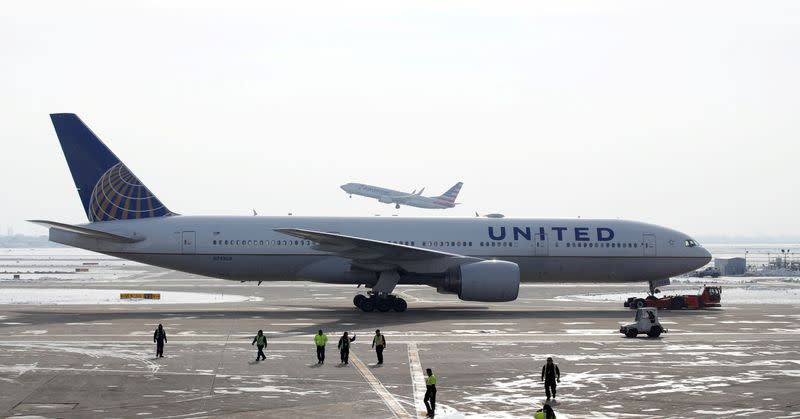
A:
[646,322]
[708,297]
[710,271]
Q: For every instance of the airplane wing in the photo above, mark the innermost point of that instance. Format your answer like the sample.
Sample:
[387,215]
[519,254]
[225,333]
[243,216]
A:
[380,255]
[403,197]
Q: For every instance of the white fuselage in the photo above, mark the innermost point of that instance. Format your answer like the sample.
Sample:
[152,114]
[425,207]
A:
[551,250]
[391,196]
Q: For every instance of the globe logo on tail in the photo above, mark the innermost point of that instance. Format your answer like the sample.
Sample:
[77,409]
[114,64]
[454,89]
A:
[119,195]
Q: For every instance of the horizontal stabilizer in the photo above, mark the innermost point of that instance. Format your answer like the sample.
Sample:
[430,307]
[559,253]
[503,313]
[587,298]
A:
[88,232]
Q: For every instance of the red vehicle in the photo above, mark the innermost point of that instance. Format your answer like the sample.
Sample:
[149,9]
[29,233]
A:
[709,297]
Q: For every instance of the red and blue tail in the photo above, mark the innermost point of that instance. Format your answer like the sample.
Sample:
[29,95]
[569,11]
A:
[452,193]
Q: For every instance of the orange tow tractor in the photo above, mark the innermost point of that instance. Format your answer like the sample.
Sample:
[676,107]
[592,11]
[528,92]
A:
[708,297]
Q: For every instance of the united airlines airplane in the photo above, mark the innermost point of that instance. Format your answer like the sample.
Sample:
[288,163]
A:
[479,259]
[413,199]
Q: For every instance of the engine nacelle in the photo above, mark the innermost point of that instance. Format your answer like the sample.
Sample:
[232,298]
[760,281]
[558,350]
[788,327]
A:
[490,281]
[385,199]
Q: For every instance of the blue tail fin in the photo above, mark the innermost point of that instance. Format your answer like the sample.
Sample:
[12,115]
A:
[108,190]
[452,193]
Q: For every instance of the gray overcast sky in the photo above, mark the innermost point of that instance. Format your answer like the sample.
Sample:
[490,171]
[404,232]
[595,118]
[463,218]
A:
[684,114]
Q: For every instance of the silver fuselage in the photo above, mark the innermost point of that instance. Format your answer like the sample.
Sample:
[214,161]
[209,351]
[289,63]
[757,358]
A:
[546,250]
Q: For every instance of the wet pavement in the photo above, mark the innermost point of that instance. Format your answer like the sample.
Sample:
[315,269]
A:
[97,360]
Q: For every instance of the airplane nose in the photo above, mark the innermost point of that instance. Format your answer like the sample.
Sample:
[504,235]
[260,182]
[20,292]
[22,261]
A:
[344,187]
[706,255]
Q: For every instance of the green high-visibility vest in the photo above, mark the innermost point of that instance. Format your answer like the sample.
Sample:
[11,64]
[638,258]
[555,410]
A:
[431,380]
[261,340]
[320,340]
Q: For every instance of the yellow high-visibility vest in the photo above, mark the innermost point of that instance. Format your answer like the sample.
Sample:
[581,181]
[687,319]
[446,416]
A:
[321,340]
[431,380]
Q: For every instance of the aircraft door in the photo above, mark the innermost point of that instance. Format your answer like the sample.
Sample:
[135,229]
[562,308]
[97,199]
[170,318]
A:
[541,246]
[649,244]
[188,246]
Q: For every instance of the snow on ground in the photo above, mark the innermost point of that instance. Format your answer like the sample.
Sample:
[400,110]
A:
[723,280]
[59,296]
[748,294]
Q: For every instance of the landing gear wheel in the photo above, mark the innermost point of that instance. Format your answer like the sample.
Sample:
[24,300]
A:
[631,333]
[654,332]
[400,305]
[383,305]
[397,206]
[358,299]
[367,305]
[677,303]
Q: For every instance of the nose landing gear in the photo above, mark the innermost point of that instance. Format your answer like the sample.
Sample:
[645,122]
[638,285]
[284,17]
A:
[382,303]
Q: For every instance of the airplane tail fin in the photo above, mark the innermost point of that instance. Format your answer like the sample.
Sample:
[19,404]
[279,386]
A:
[452,193]
[108,189]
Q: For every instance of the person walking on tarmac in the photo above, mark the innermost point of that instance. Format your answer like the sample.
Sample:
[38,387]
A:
[550,375]
[546,412]
[320,339]
[160,338]
[430,393]
[379,343]
[261,342]
[344,347]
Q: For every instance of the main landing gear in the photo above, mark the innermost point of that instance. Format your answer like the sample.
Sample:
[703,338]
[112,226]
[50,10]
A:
[381,303]
[381,298]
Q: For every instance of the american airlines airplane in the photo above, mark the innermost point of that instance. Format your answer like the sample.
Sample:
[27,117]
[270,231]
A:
[479,259]
[413,199]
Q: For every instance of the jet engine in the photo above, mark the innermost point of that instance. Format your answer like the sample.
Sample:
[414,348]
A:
[385,199]
[490,281]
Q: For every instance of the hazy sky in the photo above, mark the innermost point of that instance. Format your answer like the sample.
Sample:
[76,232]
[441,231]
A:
[684,114]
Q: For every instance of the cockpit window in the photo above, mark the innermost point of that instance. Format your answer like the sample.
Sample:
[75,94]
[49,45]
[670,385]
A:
[690,243]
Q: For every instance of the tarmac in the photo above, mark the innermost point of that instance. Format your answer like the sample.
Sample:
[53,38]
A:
[98,360]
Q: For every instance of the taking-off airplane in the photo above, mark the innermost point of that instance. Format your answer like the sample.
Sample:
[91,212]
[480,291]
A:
[479,259]
[413,199]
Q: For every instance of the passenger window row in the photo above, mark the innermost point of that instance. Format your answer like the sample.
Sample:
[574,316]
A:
[405,243]
[446,244]
[252,243]
[497,244]
[612,245]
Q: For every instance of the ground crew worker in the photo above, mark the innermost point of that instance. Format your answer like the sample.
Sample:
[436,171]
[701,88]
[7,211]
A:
[344,347]
[320,340]
[430,393]
[160,338]
[550,375]
[261,342]
[546,412]
[379,343]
